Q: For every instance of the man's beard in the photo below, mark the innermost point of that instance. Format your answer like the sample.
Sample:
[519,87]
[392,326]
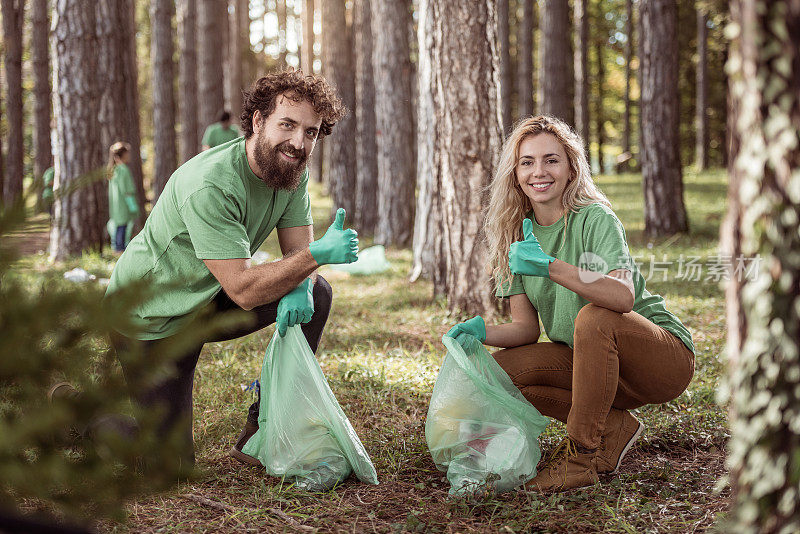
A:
[276,172]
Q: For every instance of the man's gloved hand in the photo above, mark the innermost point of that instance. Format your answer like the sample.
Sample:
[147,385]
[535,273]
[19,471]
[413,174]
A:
[527,257]
[474,327]
[337,245]
[296,307]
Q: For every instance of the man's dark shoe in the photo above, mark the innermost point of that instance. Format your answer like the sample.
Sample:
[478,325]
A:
[236,453]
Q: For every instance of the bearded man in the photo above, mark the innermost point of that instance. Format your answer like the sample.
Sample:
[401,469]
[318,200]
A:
[215,211]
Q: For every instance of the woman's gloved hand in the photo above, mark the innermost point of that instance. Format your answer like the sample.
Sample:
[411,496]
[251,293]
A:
[474,327]
[526,256]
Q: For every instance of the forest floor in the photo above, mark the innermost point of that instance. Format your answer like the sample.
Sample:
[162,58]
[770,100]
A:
[381,352]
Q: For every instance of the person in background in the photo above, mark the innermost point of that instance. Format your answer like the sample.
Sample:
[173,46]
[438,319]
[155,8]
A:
[220,132]
[122,206]
[47,192]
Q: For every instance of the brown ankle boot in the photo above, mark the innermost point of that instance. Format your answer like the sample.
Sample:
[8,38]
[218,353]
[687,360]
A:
[249,429]
[568,467]
[622,430]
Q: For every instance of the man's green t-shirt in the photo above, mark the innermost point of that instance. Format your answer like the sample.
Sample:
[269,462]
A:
[48,177]
[594,240]
[213,207]
[216,134]
[121,196]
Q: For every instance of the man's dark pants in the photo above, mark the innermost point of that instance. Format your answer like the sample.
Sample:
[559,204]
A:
[173,396]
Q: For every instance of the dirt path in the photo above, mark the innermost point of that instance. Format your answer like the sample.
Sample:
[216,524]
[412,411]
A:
[33,237]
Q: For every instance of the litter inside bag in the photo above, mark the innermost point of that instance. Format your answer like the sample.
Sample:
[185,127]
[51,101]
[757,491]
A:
[371,260]
[303,434]
[480,429]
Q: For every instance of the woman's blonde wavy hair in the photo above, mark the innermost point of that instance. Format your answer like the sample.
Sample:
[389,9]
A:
[508,204]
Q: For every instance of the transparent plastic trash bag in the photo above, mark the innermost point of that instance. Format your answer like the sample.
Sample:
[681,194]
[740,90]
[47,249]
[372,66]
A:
[303,434]
[371,260]
[480,429]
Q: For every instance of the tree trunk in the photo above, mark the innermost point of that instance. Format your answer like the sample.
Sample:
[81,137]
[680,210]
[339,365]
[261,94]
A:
[465,40]
[337,57]
[210,81]
[394,122]
[599,116]
[119,103]
[238,38]
[42,95]
[505,64]
[366,216]
[428,242]
[664,210]
[701,100]
[582,71]
[525,61]
[625,158]
[162,52]
[307,52]
[79,155]
[12,43]
[556,81]
[187,75]
[762,226]
[280,8]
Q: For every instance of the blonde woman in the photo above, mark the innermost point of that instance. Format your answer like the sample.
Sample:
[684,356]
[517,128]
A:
[122,206]
[559,253]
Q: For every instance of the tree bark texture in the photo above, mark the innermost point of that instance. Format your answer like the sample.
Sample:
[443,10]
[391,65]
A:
[394,122]
[664,209]
[366,215]
[119,101]
[210,54]
[78,224]
[338,64]
[428,243]
[599,115]
[556,79]
[307,50]
[624,164]
[701,98]
[162,52]
[505,63]
[763,311]
[187,76]
[280,8]
[239,39]
[12,44]
[42,94]
[525,105]
[581,18]
[465,40]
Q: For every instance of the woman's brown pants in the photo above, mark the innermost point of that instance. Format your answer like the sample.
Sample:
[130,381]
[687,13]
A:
[619,361]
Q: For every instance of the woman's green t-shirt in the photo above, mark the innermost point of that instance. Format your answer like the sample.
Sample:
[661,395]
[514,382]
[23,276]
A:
[593,240]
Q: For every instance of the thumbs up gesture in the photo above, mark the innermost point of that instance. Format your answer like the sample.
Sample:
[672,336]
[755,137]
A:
[526,256]
[337,245]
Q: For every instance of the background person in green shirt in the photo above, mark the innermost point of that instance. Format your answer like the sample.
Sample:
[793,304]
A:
[122,206]
[559,252]
[48,177]
[220,132]
[215,211]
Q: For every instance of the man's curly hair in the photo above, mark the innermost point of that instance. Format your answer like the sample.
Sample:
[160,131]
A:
[293,84]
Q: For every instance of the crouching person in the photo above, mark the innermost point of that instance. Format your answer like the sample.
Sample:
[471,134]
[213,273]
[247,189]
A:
[214,212]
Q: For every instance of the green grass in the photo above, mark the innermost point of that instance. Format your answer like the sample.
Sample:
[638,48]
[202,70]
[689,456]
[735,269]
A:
[381,352]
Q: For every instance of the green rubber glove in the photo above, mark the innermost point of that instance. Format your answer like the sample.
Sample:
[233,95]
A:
[474,327]
[337,245]
[133,207]
[296,307]
[527,256]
